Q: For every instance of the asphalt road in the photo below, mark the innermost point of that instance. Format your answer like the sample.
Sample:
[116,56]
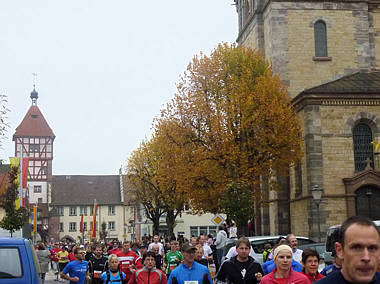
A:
[50,278]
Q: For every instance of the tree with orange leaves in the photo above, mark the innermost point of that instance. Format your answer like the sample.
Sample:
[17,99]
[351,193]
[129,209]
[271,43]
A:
[152,187]
[231,122]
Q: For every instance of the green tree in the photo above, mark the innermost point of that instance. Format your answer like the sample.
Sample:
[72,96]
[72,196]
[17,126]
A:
[14,218]
[103,232]
[237,202]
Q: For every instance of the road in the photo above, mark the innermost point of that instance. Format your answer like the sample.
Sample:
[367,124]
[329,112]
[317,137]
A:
[51,278]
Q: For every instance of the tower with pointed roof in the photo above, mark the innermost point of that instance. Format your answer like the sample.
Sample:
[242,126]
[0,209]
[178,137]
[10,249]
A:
[34,140]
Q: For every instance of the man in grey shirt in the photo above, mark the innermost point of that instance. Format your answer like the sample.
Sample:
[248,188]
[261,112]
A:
[220,242]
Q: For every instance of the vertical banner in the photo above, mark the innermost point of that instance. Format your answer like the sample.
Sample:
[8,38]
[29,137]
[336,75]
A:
[94,221]
[35,218]
[25,171]
[15,163]
[82,223]
[25,168]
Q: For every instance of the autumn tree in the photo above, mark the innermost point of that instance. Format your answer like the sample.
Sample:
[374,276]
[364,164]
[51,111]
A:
[14,218]
[230,122]
[156,193]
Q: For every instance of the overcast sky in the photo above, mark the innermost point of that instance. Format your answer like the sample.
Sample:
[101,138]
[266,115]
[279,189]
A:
[105,69]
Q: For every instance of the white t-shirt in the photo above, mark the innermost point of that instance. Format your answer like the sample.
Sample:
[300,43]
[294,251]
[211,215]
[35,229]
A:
[160,250]
[297,255]
[206,250]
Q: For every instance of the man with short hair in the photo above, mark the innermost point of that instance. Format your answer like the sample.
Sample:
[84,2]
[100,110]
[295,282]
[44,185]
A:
[149,274]
[240,269]
[156,240]
[77,269]
[129,260]
[98,264]
[293,243]
[157,256]
[359,251]
[190,271]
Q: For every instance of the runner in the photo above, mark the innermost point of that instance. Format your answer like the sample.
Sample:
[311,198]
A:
[149,274]
[113,274]
[97,265]
[77,269]
[173,257]
[129,260]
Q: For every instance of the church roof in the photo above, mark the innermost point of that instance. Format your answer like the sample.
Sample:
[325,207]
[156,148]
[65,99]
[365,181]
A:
[34,124]
[84,189]
[359,82]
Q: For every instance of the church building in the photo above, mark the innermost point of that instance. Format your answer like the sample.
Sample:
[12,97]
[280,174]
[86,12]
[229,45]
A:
[326,52]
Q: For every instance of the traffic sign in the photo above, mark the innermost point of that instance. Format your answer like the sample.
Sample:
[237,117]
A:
[217,219]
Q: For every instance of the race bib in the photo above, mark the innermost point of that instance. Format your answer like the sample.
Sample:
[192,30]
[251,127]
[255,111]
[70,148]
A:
[97,274]
[191,282]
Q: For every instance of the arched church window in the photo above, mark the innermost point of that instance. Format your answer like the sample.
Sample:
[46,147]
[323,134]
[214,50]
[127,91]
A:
[363,148]
[320,38]
[368,202]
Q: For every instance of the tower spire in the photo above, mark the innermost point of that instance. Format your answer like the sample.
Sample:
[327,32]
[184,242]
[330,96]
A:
[34,95]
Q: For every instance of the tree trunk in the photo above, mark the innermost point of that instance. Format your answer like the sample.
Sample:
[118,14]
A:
[170,222]
[156,225]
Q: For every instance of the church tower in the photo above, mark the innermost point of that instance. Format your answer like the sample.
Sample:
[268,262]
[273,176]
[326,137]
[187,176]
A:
[326,52]
[34,140]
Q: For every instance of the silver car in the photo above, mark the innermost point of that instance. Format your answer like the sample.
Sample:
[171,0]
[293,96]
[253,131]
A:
[258,242]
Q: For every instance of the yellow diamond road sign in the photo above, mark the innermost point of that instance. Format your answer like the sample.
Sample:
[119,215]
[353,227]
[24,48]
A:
[217,219]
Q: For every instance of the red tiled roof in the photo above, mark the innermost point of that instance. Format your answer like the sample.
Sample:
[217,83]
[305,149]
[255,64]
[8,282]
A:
[34,124]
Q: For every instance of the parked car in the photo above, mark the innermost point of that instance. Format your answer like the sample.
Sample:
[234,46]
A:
[321,249]
[258,243]
[333,237]
[19,263]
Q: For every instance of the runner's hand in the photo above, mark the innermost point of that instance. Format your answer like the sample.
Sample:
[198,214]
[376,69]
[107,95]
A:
[258,276]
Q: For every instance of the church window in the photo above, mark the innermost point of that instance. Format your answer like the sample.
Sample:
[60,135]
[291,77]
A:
[320,39]
[363,148]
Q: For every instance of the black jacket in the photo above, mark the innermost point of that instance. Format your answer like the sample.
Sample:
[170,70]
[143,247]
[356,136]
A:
[229,272]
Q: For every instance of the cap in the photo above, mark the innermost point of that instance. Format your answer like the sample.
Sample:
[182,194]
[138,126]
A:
[280,248]
[81,246]
[188,247]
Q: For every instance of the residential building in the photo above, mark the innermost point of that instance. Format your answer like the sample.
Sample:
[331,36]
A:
[73,195]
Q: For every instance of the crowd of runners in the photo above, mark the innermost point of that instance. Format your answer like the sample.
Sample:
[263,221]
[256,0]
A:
[199,260]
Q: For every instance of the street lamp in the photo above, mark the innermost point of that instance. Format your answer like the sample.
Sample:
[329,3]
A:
[316,191]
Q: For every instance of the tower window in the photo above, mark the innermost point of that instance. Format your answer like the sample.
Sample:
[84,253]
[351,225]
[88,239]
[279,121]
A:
[363,148]
[320,39]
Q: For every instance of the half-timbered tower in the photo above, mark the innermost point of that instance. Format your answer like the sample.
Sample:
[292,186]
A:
[34,140]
